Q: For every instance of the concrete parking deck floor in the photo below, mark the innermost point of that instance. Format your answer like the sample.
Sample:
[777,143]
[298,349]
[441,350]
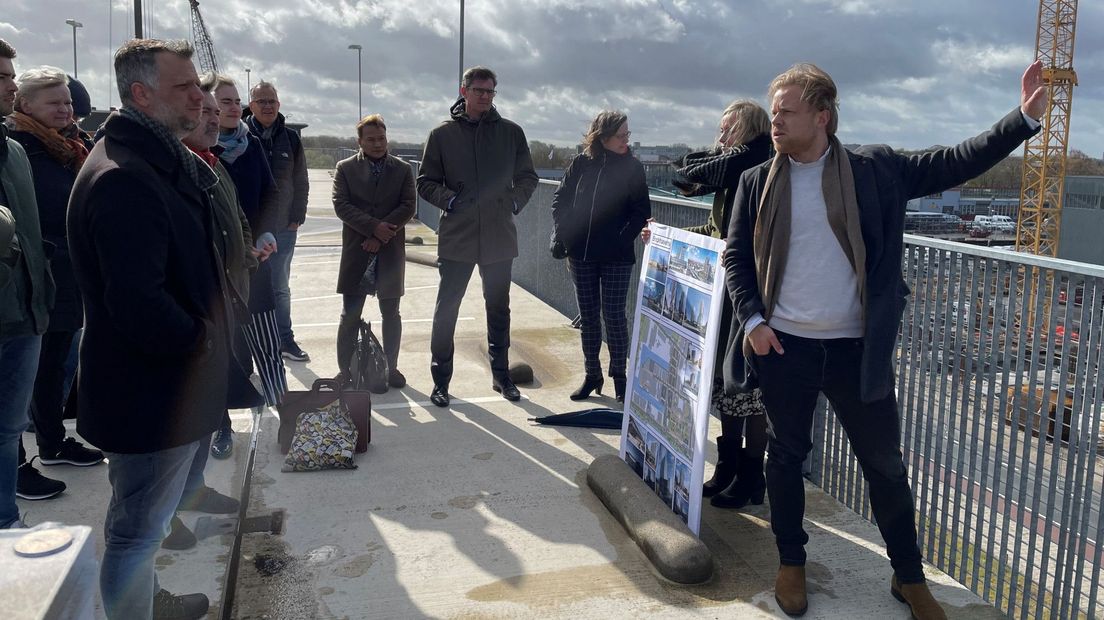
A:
[474,511]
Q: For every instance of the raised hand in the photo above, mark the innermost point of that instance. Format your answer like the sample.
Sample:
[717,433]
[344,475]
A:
[1033,91]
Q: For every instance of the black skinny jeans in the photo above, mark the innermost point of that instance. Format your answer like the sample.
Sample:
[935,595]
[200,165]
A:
[790,384]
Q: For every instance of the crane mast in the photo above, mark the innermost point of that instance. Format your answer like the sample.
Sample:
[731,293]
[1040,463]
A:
[1044,161]
[205,48]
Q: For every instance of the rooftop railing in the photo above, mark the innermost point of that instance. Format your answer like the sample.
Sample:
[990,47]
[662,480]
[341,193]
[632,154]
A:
[998,367]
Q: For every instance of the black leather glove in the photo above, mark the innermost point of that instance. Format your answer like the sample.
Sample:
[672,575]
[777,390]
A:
[559,252]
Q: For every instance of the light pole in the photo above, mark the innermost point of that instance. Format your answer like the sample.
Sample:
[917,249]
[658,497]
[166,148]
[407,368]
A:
[460,81]
[248,83]
[75,24]
[360,82]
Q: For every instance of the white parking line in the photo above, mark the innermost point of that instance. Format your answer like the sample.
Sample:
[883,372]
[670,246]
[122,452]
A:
[409,288]
[405,321]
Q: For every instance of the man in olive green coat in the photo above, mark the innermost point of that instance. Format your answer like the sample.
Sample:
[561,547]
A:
[373,194]
[477,169]
[25,297]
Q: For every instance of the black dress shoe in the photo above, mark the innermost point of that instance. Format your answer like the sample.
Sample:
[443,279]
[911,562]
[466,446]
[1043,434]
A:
[439,396]
[507,388]
[395,378]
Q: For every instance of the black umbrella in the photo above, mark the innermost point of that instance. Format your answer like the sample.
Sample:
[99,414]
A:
[600,417]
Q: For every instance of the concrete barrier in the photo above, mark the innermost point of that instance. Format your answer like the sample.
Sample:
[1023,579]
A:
[672,548]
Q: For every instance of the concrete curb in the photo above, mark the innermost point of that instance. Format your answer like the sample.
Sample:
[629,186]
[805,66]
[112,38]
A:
[661,535]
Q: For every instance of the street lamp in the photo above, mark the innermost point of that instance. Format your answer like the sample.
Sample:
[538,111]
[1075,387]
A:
[360,83]
[460,82]
[248,84]
[75,24]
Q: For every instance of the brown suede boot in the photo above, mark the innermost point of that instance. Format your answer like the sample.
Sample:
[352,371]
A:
[919,599]
[789,590]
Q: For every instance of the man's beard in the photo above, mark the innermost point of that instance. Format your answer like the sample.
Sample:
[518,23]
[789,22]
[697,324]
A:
[178,123]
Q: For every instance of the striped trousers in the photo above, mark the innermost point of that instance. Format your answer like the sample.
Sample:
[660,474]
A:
[602,290]
[263,338]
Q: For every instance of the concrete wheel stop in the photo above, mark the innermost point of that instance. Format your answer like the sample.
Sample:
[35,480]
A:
[666,541]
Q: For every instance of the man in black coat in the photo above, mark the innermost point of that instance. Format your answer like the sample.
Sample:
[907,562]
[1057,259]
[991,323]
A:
[155,351]
[814,271]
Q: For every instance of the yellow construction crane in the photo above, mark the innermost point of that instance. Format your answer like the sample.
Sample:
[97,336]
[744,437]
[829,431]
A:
[1044,161]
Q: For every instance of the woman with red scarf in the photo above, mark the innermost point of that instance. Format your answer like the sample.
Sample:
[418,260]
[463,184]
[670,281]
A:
[43,124]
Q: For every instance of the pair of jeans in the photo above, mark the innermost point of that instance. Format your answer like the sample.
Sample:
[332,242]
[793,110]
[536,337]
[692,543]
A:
[352,309]
[145,491]
[18,365]
[790,383]
[496,297]
[280,265]
[602,289]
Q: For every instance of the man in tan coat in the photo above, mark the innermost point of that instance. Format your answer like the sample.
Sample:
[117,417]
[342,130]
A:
[373,194]
[477,169]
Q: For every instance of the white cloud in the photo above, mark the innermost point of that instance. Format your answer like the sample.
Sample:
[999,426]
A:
[910,74]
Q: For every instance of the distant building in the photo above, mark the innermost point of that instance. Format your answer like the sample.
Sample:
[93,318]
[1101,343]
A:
[968,202]
[1082,220]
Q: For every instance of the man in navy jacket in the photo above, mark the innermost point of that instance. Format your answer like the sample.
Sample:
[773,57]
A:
[814,271]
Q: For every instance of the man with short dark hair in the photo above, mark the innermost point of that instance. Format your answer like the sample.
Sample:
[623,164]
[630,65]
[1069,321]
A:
[156,349]
[373,194]
[24,301]
[477,169]
[814,271]
[288,163]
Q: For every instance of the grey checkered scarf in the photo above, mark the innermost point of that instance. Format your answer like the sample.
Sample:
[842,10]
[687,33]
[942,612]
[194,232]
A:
[198,171]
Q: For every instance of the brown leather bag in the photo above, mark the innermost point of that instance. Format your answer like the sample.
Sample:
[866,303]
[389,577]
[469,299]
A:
[321,394]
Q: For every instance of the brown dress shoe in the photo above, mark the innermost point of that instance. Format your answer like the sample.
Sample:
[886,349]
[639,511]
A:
[789,590]
[919,599]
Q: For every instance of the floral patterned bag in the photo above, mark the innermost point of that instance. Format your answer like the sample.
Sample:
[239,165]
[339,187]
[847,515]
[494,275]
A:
[324,438]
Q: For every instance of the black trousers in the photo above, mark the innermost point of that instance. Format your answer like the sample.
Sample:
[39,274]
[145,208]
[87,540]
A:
[790,384]
[496,297]
[351,311]
[47,407]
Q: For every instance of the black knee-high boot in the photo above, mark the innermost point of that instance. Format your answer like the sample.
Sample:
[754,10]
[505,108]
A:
[728,456]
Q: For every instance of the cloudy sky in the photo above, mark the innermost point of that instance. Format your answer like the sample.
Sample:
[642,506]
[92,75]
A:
[911,73]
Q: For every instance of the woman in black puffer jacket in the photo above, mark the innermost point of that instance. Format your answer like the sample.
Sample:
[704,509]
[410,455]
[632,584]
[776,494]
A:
[598,211]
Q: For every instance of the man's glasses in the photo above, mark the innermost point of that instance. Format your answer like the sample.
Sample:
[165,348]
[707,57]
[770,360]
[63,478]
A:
[266,103]
[483,92]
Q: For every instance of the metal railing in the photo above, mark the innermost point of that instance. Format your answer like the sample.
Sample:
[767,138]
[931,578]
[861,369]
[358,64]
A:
[999,380]
[999,383]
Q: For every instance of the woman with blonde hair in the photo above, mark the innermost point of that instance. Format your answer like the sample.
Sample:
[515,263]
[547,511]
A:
[599,209]
[743,142]
[43,125]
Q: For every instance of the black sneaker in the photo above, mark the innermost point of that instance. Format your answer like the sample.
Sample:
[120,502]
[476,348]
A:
[293,352]
[210,501]
[30,484]
[71,452]
[222,446]
[168,606]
